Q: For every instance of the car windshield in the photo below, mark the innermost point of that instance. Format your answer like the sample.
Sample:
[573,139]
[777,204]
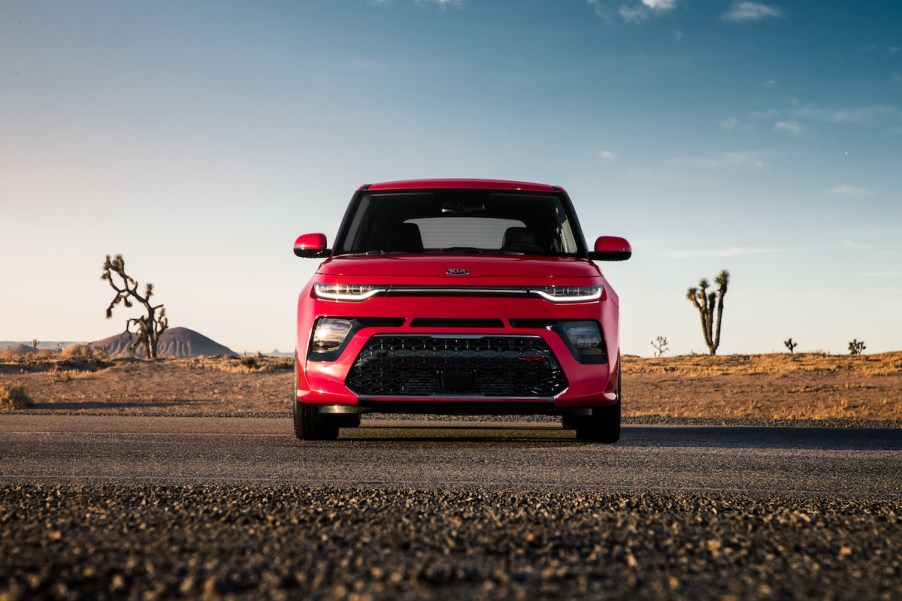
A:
[459,221]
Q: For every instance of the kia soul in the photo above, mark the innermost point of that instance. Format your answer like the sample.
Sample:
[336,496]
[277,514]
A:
[458,297]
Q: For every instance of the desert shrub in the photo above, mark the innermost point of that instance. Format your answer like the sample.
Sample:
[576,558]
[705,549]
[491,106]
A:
[13,397]
[83,351]
[244,363]
[249,361]
[660,345]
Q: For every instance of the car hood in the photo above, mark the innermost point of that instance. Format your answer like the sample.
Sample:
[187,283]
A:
[463,270]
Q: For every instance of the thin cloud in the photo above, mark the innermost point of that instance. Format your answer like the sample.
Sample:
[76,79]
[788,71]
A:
[768,114]
[847,190]
[750,12]
[633,14]
[736,159]
[792,127]
[731,251]
[443,3]
[860,114]
[607,155]
[660,5]
[729,123]
[632,11]
[787,120]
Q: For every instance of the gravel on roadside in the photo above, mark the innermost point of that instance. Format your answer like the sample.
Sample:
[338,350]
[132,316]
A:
[135,540]
[645,420]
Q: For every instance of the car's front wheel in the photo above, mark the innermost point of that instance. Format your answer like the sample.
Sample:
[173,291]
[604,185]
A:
[602,426]
[310,424]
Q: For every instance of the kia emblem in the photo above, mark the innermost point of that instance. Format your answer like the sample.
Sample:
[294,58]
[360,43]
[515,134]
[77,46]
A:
[457,271]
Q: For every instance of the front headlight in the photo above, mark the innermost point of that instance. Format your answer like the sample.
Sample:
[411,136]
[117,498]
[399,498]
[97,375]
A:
[329,333]
[569,294]
[346,292]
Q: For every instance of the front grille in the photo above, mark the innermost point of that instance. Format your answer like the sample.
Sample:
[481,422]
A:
[493,366]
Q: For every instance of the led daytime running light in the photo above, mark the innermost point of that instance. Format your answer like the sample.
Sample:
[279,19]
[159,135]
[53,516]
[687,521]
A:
[569,294]
[346,292]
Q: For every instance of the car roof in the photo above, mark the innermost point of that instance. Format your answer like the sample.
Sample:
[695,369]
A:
[457,183]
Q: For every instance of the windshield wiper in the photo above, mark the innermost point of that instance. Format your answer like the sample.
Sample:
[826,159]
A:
[367,252]
[461,249]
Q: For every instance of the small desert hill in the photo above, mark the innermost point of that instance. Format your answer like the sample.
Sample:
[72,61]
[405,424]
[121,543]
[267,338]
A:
[174,343]
[19,349]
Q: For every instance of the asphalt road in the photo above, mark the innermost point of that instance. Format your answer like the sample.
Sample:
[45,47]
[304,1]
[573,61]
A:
[843,462]
[236,508]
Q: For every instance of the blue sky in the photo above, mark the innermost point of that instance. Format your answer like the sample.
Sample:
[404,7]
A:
[200,138]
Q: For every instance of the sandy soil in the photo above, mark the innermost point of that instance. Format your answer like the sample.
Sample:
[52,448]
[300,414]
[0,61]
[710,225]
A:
[769,387]
[773,387]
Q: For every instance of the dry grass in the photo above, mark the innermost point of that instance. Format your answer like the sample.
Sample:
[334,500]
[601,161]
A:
[83,381]
[13,397]
[811,386]
[243,364]
[703,365]
[8,356]
[84,352]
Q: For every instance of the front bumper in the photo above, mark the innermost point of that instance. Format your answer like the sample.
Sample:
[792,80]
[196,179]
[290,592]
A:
[423,363]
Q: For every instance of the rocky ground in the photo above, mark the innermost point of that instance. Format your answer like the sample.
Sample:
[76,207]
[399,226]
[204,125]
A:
[134,540]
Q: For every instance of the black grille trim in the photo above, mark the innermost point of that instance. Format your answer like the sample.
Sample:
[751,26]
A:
[429,322]
[493,366]
[458,291]
[537,324]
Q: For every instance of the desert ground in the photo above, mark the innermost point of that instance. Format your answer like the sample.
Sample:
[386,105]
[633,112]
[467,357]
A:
[857,389]
[113,490]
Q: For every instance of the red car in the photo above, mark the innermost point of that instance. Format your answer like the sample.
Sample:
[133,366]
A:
[458,297]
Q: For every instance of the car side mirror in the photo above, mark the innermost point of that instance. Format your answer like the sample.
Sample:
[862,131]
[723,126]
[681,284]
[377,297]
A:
[311,246]
[611,248]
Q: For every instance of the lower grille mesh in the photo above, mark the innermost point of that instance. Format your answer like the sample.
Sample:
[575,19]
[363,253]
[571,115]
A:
[495,366]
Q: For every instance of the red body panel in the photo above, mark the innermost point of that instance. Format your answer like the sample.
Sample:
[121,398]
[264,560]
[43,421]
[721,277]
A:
[483,269]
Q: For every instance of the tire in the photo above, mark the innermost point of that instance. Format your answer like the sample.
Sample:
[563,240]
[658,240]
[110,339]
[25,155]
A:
[309,423]
[604,424]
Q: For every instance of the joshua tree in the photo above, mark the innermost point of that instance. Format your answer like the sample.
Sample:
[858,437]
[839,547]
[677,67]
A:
[150,326]
[35,342]
[660,345]
[707,302]
[790,345]
[856,346]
